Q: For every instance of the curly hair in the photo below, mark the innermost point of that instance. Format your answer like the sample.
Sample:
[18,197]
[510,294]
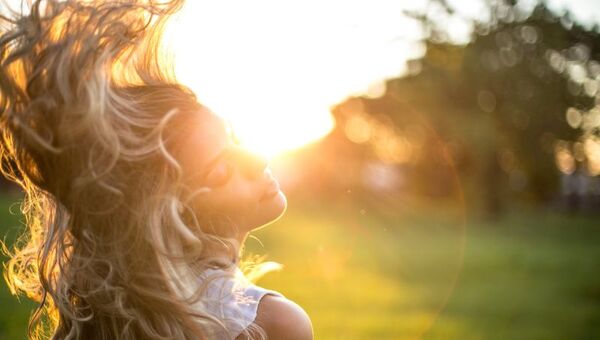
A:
[89,116]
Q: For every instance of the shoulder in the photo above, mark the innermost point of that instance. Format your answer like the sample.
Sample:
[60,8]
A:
[283,319]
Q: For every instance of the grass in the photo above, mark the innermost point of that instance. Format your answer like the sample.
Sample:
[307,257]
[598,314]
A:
[366,275]
[14,313]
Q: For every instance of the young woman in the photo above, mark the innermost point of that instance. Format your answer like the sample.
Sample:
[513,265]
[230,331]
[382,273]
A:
[138,199]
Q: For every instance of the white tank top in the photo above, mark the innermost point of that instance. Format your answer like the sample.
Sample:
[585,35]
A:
[233,299]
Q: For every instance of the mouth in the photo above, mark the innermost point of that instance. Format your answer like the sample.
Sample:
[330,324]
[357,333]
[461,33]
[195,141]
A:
[271,190]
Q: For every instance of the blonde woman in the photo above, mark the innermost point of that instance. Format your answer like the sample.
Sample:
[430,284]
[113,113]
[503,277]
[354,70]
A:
[138,199]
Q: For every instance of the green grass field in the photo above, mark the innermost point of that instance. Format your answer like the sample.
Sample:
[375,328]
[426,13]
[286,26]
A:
[362,275]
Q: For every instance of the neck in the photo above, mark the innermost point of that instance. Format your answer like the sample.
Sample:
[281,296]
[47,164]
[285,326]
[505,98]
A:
[225,251]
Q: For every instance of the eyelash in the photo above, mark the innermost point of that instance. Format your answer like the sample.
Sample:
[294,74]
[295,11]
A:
[222,179]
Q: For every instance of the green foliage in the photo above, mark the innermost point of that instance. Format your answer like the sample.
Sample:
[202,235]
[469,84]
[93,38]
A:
[497,105]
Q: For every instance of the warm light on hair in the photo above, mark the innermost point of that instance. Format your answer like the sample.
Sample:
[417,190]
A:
[89,115]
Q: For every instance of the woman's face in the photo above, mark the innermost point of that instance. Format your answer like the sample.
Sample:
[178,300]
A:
[242,187]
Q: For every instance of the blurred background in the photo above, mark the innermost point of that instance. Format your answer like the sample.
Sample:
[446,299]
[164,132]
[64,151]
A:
[440,159]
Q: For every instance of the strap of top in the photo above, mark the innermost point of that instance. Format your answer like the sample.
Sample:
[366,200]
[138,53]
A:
[233,299]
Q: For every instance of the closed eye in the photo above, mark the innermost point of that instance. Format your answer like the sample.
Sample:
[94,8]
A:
[221,169]
[220,174]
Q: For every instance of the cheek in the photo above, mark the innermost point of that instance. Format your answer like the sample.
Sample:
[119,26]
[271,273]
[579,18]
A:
[220,210]
[234,201]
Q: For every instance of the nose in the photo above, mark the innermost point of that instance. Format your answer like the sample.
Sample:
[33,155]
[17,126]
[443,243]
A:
[252,164]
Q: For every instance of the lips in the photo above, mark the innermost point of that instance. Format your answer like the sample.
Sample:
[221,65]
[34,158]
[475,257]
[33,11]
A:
[271,190]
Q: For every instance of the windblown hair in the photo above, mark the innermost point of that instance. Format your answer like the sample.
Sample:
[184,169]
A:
[89,116]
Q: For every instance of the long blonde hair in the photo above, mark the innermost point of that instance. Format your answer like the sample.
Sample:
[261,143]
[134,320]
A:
[89,114]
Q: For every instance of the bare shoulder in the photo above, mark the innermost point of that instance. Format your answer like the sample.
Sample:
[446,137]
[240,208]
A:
[283,319]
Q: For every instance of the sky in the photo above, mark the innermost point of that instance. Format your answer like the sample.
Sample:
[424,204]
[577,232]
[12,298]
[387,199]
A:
[584,11]
[275,68]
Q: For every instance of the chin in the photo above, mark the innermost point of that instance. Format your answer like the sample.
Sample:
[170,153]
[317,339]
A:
[272,209]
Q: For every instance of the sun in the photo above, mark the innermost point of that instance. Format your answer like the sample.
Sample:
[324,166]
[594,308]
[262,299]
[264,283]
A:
[273,132]
[274,76]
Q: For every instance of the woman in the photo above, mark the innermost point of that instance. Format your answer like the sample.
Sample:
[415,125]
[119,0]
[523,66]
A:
[137,197]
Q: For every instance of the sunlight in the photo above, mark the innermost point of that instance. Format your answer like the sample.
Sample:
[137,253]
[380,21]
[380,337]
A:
[276,76]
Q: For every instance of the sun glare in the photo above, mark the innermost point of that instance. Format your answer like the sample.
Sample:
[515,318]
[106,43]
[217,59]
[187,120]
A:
[275,68]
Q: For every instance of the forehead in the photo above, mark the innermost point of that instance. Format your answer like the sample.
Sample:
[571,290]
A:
[205,125]
[206,134]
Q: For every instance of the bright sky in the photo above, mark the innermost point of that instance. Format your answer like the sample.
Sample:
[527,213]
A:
[584,11]
[274,68]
